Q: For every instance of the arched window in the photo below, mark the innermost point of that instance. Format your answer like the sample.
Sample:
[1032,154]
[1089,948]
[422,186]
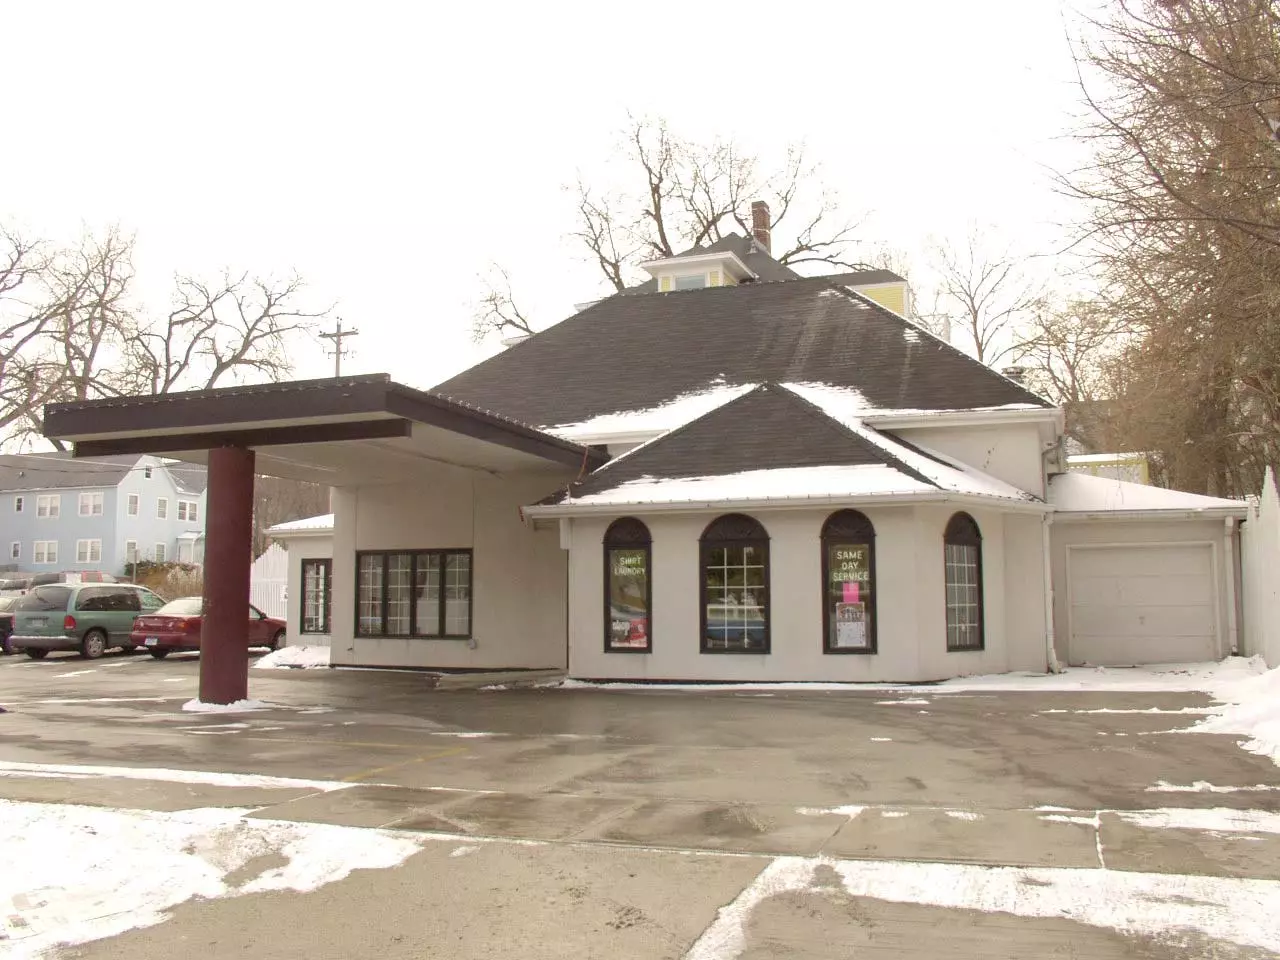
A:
[849,576]
[962,554]
[735,586]
[628,587]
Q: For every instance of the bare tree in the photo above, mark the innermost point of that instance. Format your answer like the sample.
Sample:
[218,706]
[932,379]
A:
[70,329]
[496,313]
[277,500]
[984,294]
[1184,102]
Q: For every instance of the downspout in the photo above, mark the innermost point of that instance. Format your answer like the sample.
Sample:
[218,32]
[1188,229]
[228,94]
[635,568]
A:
[1051,653]
[1229,561]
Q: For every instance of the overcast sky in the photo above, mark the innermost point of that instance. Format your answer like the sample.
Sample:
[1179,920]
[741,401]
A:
[389,152]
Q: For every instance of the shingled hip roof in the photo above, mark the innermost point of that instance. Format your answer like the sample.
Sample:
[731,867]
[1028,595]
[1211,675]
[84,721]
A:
[772,445]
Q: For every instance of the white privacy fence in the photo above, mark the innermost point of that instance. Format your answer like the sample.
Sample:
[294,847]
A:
[268,580]
[1260,560]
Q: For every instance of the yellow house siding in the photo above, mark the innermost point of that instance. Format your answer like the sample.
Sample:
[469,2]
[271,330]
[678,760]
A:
[714,280]
[892,296]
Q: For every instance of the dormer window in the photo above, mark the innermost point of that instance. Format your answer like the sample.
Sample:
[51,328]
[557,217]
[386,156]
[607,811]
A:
[691,281]
[694,271]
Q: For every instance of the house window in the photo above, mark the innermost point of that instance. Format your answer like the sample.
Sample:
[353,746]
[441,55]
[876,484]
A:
[15,550]
[161,553]
[735,586]
[317,576]
[162,508]
[91,504]
[187,510]
[962,554]
[131,551]
[848,572]
[88,551]
[628,590]
[19,503]
[694,281]
[49,505]
[413,593]
[44,551]
[133,504]
[146,472]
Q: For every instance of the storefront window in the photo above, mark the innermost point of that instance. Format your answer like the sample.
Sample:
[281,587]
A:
[848,573]
[628,590]
[962,555]
[735,586]
[418,593]
[316,576]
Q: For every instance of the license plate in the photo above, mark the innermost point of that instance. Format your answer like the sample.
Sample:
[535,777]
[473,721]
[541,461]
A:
[150,641]
[39,621]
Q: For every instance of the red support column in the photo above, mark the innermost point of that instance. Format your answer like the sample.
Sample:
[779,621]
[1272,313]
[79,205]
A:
[224,635]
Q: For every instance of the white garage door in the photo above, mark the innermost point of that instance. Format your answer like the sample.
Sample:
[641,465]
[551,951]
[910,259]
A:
[1141,604]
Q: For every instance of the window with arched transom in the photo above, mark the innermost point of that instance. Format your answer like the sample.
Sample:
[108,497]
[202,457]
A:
[735,586]
[848,578]
[628,587]
[962,556]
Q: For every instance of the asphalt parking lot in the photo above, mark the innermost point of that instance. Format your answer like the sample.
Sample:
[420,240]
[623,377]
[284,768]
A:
[619,824]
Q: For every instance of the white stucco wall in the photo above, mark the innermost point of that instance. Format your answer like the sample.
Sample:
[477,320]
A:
[1118,531]
[518,579]
[1010,452]
[911,635]
[303,547]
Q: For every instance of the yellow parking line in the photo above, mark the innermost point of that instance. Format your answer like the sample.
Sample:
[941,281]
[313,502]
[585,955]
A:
[449,752]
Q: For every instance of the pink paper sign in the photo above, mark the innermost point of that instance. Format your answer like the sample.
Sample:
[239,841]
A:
[851,592]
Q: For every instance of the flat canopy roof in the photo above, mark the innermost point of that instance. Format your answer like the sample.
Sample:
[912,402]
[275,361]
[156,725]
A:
[339,431]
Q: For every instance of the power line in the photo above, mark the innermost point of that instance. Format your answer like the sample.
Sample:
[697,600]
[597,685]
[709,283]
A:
[339,349]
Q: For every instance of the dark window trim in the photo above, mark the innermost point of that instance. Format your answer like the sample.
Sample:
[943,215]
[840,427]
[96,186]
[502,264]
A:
[831,534]
[413,611]
[963,530]
[628,533]
[327,626]
[705,546]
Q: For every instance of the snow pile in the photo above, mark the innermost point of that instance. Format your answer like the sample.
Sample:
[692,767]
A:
[294,658]
[1252,708]
[1081,492]
[74,874]
[74,771]
[649,422]
[238,706]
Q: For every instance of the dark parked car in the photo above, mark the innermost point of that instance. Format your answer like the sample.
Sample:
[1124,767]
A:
[6,623]
[89,617]
[176,626]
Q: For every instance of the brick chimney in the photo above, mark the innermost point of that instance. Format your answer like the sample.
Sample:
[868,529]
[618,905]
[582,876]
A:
[760,223]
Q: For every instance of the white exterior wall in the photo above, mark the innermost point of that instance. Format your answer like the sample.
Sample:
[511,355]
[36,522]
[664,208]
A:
[1009,452]
[1260,558]
[303,546]
[909,584]
[1133,532]
[518,573]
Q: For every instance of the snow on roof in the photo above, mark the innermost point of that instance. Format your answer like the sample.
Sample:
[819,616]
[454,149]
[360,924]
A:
[654,420]
[306,525]
[949,474]
[847,403]
[1082,493]
[789,483]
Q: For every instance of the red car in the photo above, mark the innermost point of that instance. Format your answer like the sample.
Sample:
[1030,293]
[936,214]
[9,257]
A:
[176,626]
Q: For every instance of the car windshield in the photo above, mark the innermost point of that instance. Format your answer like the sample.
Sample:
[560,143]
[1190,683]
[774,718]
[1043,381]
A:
[7,603]
[182,607]
[45,598]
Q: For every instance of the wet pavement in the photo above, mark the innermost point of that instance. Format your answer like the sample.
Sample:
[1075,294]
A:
[617,823]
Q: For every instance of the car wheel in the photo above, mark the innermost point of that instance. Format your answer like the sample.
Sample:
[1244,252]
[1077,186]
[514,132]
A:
[277,640]
[159,654]
[93,645]
[36,654]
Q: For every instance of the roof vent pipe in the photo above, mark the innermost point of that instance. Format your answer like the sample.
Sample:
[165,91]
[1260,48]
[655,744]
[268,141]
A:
[760,223]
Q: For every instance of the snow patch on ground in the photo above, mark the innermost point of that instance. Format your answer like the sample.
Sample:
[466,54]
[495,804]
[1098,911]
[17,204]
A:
[1253,710]
[239,706]
[1216,819]
[890,703]
[80,772]
[75,874]
[294,658]
[963,815]
[1154,905]
[849,810]
[1204,786]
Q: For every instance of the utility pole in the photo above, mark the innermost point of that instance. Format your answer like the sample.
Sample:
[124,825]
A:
[337,336]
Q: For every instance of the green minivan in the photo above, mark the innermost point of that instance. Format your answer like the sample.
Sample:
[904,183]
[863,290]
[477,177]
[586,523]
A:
[89,617]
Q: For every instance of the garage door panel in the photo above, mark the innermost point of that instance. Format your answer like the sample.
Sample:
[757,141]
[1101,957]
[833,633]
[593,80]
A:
[1142,590]
[1130,621]
[1140,603]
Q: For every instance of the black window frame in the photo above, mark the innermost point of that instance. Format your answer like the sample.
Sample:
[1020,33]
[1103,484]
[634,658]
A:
[443,554]
[734,530]
[628,533]
[327,625]
[854,528]
[963,530]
